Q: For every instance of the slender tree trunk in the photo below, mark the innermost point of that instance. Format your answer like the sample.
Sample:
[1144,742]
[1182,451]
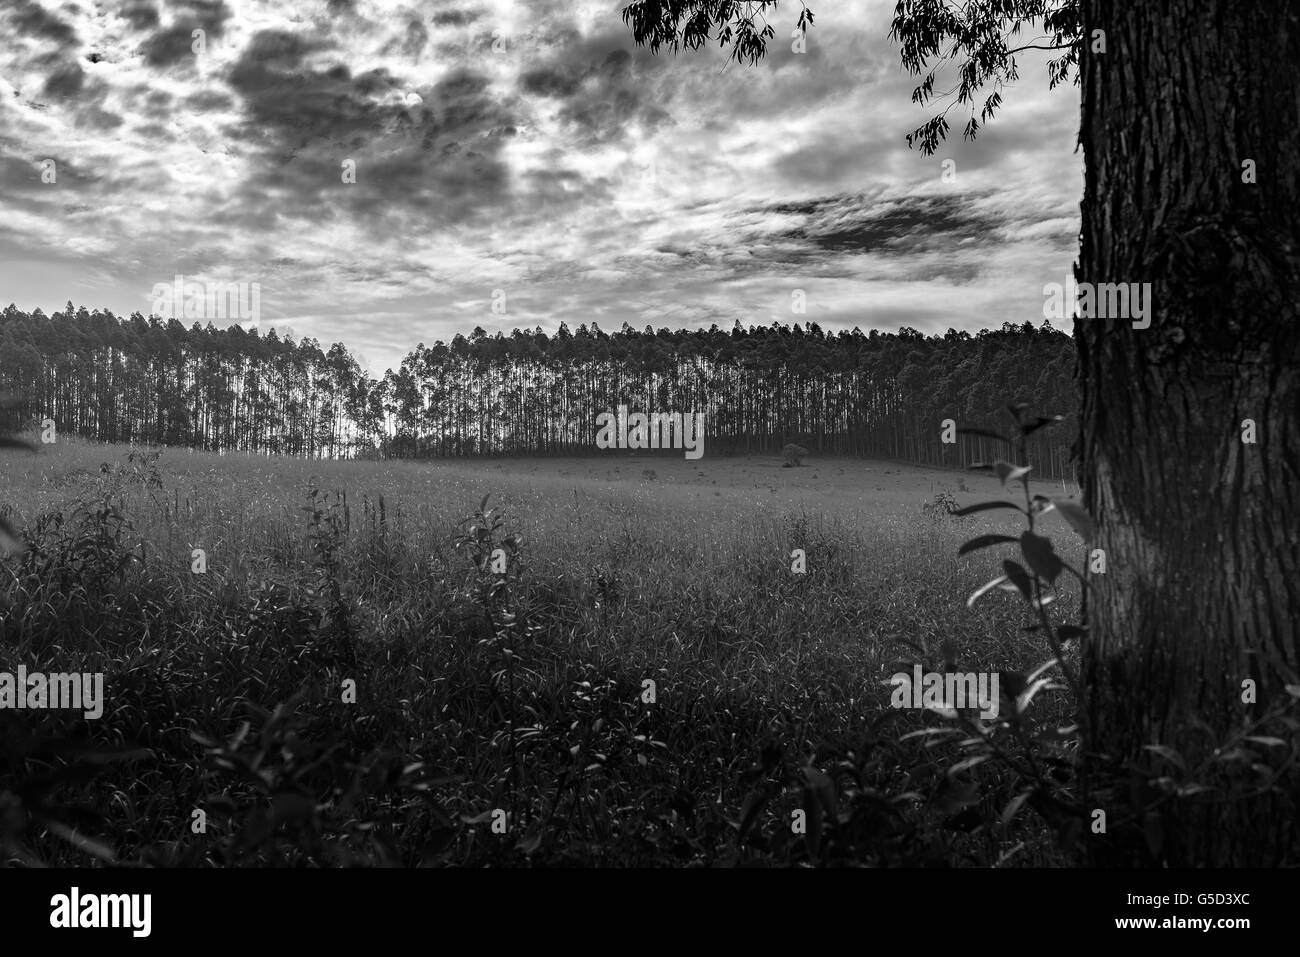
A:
[1200,529]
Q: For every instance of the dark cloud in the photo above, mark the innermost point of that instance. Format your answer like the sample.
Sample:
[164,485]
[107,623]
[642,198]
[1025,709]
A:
[98,118]
[174,44]
[901,226]
[453,18]
[141,14]
[158,103]
[603,85]
[66,81]
[417,35]
[170,46]
[22,187]
[206,100]
[210,15]
[18,175]
[548,81]
[439,158]
[29,19]
[828,159]
[553,192]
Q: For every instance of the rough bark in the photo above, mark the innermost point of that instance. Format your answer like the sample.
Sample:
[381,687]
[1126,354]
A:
[1201,531]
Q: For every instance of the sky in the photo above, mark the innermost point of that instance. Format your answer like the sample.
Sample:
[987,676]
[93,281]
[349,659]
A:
[389,173]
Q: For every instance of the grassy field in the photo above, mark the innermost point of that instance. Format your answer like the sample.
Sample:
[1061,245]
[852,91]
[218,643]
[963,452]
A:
[648,683]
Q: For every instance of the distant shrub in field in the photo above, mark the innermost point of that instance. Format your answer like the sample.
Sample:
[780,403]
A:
[140,468]
[942,505]
[794,455]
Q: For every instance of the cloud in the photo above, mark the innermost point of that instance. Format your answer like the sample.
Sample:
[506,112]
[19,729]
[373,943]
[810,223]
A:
[66,81]
[31,20]
[140,14]
[416,151]
[900,226]
[528,147]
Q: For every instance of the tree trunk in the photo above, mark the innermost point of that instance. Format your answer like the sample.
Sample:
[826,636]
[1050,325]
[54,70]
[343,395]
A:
[1201,530]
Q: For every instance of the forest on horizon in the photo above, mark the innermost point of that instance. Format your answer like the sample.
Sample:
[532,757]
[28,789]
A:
[154,381]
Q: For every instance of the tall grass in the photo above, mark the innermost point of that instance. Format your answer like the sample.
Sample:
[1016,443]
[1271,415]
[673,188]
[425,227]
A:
[648,683]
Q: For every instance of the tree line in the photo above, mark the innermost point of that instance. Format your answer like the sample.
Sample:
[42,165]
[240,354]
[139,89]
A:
[154,381]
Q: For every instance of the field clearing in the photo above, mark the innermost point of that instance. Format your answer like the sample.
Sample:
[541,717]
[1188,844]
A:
[561,504]
[631,569]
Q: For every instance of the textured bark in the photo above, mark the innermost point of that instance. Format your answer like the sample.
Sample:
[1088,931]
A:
[1201,531]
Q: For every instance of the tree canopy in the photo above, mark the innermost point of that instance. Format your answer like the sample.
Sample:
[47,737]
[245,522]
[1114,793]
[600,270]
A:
[978,40]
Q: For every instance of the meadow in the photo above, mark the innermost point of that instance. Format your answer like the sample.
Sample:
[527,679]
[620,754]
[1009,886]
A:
[609,661]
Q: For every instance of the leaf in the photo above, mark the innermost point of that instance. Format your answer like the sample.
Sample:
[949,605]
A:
[1017,575]
[1270,742]
[1168,753]
[1232,754]
[967,763]
[81,842]
[1041,421]
[529,842]
[1026,697]
[1077,516]
[934,736]
[983,541]
[1045,666]
[985,433]
[483,504]
[1040,557]
[988,507]
[984,589]
[1009,473]
[1014,806]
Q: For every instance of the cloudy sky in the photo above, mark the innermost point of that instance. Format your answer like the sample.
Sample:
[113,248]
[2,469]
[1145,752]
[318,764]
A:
[520,146]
